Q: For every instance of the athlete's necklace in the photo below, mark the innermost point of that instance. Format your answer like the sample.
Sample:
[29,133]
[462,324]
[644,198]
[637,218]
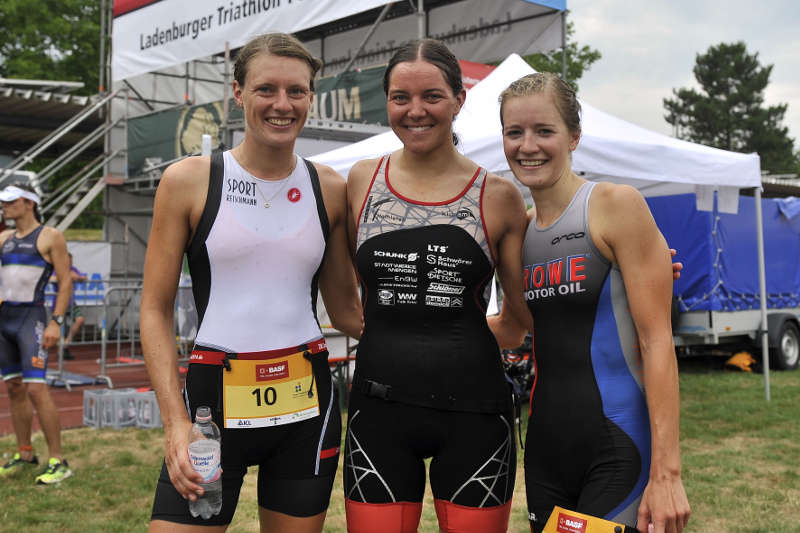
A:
[286,181]
[280,189]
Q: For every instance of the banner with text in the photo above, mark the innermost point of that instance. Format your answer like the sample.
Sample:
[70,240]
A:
[475,30]
[151,35]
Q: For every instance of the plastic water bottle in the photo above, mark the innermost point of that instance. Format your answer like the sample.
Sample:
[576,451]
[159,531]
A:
[205,454]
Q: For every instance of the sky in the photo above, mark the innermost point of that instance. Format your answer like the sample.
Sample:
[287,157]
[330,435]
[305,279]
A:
[649,47]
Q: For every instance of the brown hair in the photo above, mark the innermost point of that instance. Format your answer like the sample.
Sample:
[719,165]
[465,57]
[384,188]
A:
[432,51]
[564,96]
[277,44]
[28,187]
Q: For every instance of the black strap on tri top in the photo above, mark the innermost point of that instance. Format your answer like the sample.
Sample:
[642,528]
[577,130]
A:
[323,213]
[196,251]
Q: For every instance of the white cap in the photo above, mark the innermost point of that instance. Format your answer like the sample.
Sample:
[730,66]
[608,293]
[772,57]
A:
[12,193]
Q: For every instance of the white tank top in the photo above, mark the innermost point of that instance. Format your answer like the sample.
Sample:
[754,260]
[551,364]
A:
[255,268]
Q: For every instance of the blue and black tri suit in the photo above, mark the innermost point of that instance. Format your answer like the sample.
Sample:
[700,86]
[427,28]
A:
[24,273]
[588,441]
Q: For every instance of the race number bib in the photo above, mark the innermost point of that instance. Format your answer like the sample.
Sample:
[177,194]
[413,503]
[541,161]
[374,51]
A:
[269,392]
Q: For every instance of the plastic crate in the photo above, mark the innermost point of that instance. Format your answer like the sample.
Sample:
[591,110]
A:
[92,405]
[118,409]
[148,415]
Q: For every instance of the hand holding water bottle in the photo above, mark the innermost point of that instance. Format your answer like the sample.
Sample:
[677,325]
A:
[205,455]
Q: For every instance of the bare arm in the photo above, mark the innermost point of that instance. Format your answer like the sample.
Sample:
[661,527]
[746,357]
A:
[176,200]
[54,249]
[628,233]
[337,279]
[506,222]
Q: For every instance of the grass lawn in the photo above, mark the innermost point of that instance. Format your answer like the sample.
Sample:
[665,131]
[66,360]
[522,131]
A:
[84,234]
[740,458]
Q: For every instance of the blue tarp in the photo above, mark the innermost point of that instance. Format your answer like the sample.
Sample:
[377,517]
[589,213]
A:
[720,257]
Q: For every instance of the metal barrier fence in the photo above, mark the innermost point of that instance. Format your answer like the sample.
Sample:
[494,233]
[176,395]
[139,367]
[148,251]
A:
[110,311]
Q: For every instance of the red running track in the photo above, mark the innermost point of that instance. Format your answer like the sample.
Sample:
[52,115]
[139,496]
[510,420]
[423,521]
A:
[70,403]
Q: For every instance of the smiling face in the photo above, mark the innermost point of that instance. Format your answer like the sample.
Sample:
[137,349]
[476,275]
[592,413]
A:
[421,106]
[536,141]
[275,98]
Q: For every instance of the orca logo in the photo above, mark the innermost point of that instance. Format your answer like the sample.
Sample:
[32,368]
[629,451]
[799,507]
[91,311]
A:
[568,237]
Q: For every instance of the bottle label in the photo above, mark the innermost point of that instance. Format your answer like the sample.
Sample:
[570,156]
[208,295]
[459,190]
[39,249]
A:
[205,458]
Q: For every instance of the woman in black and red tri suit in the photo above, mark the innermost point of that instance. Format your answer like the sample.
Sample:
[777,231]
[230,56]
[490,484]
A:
[429,228]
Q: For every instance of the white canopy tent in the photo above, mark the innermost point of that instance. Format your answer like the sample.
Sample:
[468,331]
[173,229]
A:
[610,149]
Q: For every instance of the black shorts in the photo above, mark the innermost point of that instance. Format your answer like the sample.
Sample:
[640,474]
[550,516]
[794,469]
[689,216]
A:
[296,462]
[473,454]
[21,351]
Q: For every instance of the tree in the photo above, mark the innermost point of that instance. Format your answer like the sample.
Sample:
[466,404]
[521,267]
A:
[51,40]
[729,111]
[579,59]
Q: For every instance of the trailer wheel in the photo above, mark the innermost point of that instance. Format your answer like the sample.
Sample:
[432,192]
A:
[786,355]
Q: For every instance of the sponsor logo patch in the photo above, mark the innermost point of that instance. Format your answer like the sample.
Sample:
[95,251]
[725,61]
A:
[272,371]
[570,524]
[385,297]
[293,195]
[445,288]
[437,301]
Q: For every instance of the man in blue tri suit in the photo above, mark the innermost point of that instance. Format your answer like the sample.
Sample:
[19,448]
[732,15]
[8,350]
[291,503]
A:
[29,253]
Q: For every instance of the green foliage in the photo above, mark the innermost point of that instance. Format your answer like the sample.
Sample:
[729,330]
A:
[729,112]
[579,59]
[51,40]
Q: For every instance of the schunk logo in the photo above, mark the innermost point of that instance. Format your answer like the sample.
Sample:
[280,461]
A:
[410,257]
[568,237]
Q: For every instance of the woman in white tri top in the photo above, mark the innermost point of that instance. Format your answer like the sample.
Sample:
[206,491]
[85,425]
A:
[263,229]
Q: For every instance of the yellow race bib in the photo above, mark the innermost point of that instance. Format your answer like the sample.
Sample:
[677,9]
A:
[261,393]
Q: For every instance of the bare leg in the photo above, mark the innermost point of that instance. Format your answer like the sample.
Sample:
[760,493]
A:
[76,327]
[275,522]
[48,417]
[21,415]
[162,526]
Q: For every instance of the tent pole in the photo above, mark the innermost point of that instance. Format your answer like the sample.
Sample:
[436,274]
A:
[101,86]
[421,20]
[564,45]
[762,286]
[226,96]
